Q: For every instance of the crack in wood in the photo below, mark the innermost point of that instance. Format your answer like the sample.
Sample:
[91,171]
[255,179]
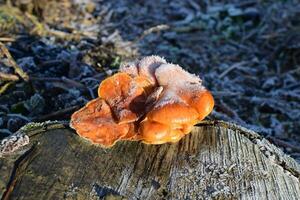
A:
[255,139]
[20,165]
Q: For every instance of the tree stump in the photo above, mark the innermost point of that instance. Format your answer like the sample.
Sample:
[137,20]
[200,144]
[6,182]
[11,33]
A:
[218,160]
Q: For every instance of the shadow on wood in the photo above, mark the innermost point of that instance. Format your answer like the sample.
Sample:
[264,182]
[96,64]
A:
[218,160]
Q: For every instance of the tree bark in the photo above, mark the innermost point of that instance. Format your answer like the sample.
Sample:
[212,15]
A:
[218,160]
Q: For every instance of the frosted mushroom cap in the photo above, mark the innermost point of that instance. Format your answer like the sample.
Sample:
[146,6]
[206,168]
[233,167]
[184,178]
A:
[130,68]
[173,75]
[148,66]
[148,100]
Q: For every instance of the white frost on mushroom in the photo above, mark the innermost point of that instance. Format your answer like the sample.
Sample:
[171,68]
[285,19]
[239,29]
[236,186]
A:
[173,78]
[173,75]
[148,65]
[168,97]
[129,68]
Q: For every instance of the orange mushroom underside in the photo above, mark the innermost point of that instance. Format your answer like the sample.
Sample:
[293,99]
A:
[151,101]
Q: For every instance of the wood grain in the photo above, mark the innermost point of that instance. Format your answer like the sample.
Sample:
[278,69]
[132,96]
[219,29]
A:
[218,160]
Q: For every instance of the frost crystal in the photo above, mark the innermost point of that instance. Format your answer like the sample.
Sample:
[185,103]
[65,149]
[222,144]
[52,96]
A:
[168,97]
[174,75]
[129,68]
[12,143]
[148,66]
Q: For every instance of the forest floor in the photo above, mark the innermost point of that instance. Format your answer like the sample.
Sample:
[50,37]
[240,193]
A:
[247,53]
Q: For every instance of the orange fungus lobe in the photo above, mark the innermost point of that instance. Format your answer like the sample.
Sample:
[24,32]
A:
[148,100]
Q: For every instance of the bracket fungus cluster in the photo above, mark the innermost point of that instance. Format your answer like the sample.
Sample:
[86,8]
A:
[148,100]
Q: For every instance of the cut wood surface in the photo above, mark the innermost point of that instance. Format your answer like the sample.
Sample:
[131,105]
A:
[218,160]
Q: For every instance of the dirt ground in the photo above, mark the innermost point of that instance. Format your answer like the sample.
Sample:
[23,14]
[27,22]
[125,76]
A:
[246,52]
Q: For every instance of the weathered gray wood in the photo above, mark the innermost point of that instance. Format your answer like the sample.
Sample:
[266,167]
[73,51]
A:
[217,160]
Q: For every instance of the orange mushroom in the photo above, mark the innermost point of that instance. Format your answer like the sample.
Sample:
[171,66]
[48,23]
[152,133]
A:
[158,133]
[202,101]
[173,115]
[183,103]
[148,100]
[187,87]
[148,65]
[95,123]
[124,96]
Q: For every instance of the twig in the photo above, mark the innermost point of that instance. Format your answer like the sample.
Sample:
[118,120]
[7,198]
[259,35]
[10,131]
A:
[157,28]
[8,77]
[284,144]
[50,63]
[56,113]
[232,113]
[19,116]
[5,131]
[18,70]
[4,87]
[42,29]
[62,79]
[7,39]
[18,168]
[236,65]
[225,93]
[296,70]
[154,29]
[91,93]
[74,83]
[39,27]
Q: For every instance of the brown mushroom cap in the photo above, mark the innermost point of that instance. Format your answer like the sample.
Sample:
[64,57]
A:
[95,123]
